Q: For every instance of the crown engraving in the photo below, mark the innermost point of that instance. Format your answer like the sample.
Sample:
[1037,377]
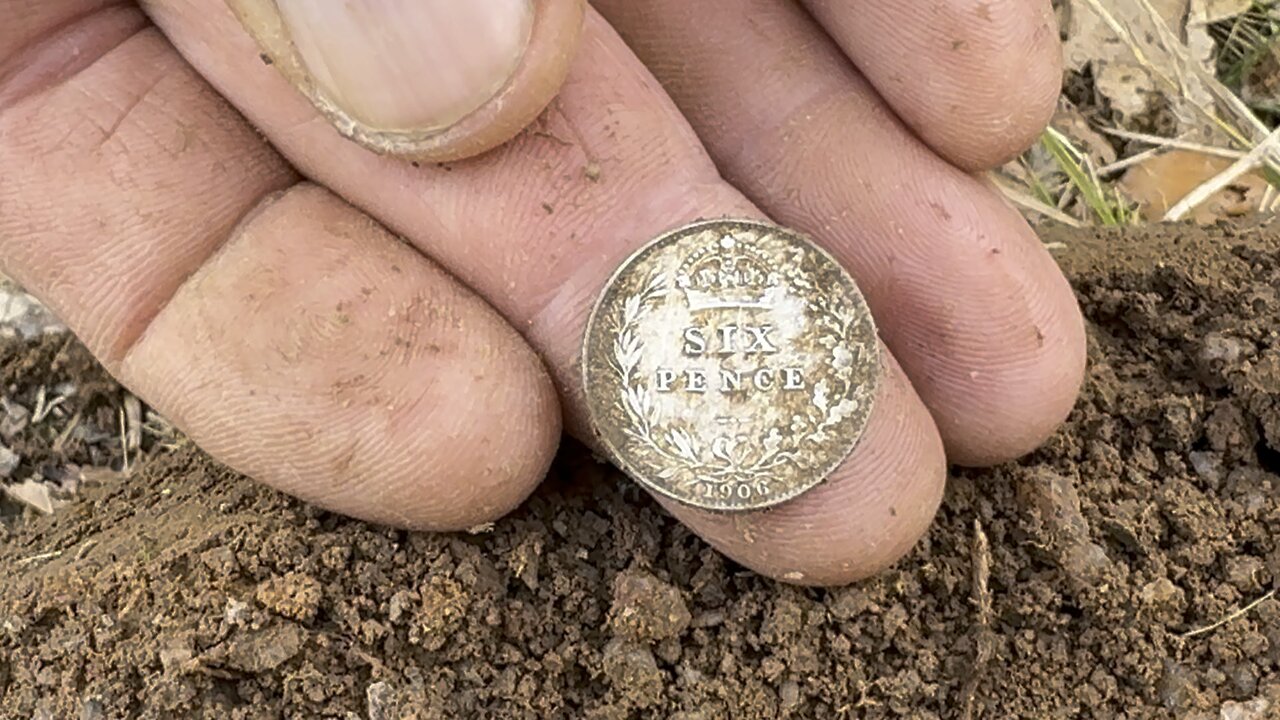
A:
[726,273]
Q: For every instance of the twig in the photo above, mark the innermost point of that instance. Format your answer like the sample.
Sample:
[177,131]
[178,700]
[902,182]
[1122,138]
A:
[133,422]
[1238,613]
[61,441]
[1256,157]
[38,558]
[1164,142]
[1129,161]
[124,442]
[1268,198]
[980,555]
[38,413]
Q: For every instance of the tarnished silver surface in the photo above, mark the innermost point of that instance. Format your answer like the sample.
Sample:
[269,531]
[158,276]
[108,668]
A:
[730,365]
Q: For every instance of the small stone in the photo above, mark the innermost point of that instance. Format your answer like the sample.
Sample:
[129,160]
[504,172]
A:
[1219,355]
[1246,573]
[633,671]
[789,694]
[266,649]
[1177,687]
[1244,678]
[379,700]
[235,611]
[34,494]
[1208,465]
[1086,562]
[295,596]
[647,609]
[14,419]
[220,560]
[1054,498]
[176,655]
[92,710]
[1162,594]
[9,461]
[400,605]
[1255,709]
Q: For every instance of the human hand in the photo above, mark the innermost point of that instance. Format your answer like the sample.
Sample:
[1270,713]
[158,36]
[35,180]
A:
[286,329]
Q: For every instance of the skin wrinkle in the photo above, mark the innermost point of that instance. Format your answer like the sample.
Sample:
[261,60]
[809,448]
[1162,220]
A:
[993,69]
[33,59]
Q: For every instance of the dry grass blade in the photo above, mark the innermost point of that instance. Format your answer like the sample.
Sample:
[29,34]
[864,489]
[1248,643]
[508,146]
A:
[1162,143]
[1117,166]
[1237,614]
[38,558]
[1257,157]
[1249,130]
[980,556]
[1022,199]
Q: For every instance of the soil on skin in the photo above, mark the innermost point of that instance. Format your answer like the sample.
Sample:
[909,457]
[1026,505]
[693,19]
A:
[1059,587]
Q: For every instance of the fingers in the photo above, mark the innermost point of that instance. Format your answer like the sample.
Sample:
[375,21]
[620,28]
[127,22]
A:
[538,225]
[287,333]
[433,79]
[976,79]
[964,294]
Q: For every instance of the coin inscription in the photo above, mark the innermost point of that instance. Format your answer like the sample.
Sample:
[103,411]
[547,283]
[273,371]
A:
[730,365]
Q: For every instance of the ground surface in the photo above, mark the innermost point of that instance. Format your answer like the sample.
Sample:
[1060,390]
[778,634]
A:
[184,590]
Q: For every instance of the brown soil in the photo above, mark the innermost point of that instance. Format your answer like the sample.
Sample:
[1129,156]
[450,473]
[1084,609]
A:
[1060,587]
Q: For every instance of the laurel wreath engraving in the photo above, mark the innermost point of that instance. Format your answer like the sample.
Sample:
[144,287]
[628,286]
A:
[726,460]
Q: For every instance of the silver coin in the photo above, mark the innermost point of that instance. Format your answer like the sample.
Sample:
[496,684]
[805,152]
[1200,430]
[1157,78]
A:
[730,365]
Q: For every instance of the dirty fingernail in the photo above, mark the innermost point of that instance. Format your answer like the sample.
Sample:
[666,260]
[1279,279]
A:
[408,65]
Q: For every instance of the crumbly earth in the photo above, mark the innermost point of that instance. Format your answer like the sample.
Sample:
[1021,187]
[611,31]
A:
[1063,586]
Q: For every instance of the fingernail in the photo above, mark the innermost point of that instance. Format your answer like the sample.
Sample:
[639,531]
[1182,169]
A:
[409,65]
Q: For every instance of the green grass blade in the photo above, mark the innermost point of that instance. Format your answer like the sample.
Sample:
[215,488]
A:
[1070,160]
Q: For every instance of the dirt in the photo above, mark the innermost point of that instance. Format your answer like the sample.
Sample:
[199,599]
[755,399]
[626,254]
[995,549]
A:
[1077,583]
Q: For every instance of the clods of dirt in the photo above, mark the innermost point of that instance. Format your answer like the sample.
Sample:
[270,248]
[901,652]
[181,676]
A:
[1126,570]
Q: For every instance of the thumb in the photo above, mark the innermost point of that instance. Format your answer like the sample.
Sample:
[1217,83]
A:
[425,79]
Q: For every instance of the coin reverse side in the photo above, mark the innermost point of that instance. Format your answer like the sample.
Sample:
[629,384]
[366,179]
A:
[730,365]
